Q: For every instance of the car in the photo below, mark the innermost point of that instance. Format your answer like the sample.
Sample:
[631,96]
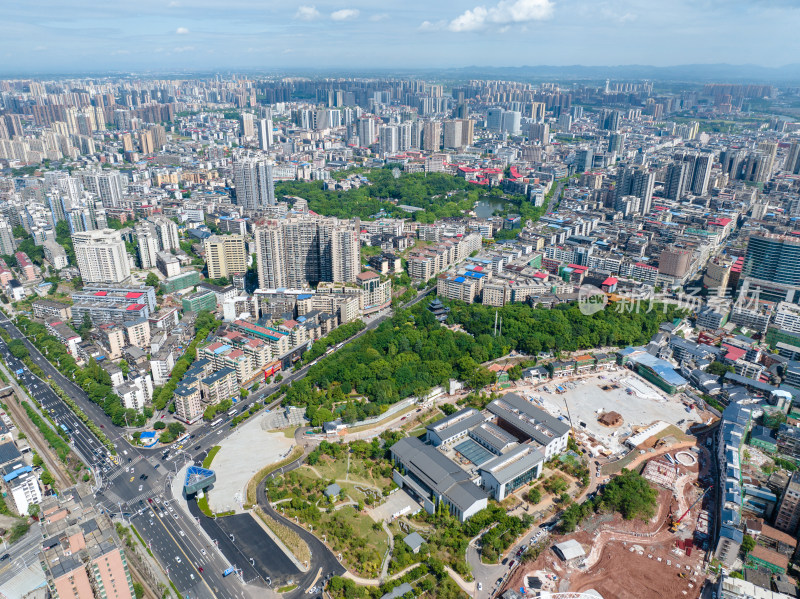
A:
[191,436]
[158,500]
[101,426]
[200,569]
[178,559]
[191,576]
[505,561]
[203,551]
[146,476]
[4,557]
[162,417]
[156,467]
[180,532]
[480,587]
[175,516]
[170,507]
[149,500]
[511,563]
[130,460]
[131,480]
[166,503]
[196,448]
[140,488]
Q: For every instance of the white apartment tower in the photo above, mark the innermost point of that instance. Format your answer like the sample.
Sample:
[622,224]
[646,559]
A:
[101,256]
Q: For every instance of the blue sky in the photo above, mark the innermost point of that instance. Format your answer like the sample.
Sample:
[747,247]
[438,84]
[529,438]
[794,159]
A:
[81,35]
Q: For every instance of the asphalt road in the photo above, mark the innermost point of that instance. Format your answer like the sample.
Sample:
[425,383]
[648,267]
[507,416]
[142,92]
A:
[136,486]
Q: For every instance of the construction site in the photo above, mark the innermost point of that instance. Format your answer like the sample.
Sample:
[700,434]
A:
[663,558]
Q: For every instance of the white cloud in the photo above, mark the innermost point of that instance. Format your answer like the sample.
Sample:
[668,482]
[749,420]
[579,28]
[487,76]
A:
[380,17]
[182,31]
[345,14]
[505,12]
[307,13]
[430,26]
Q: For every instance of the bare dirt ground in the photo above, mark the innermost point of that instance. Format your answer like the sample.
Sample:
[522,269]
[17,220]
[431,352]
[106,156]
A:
[630,559]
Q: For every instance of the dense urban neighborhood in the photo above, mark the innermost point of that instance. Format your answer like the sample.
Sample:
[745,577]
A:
[384,337]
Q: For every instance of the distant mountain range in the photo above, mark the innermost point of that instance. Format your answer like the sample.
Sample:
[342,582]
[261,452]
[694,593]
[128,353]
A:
[729,73]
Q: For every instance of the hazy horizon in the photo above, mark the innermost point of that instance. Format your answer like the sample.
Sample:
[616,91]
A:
[200,35]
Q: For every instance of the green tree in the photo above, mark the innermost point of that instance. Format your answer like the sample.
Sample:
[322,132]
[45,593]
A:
[18,349]
[748,543]
[535,496]
[33,510]
[125,367]
[175,428]
[138,590]
[159,425]
[151,280]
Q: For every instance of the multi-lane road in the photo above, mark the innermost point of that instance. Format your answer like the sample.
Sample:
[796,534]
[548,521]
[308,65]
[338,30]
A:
[134,484]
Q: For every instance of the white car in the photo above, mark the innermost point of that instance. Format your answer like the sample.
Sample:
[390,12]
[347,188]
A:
[178,559]
[480,587]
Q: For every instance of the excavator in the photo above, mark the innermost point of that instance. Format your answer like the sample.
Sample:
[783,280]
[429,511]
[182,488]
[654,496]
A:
[673,527]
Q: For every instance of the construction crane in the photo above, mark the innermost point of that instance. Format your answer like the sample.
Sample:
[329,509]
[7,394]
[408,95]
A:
[673,527]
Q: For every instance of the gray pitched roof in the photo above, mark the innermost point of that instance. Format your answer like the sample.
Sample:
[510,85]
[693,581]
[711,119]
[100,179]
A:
[533,421]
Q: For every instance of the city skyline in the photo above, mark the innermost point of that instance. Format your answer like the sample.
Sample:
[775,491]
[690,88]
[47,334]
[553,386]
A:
[333,35]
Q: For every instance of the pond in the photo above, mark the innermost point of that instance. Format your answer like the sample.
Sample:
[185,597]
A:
[488,207]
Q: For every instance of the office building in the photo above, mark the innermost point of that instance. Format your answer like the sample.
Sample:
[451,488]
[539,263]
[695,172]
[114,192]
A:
[773,258]
[254,182]
[101,256]
[294,252]
[367,132]
[226,255]
[583,160]
[609,120]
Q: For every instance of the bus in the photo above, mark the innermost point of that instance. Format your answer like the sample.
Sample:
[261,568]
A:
[182,438]
[65,428]
[216,422]
[232,412]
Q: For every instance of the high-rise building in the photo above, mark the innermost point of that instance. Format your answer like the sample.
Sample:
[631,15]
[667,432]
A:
[494,119]
[247,124]
[609,120]
[467,132]
[159,137]
[674,261]
[539,132]
[616,142]
[255,186]
[146,142]
[167,232]
[702,173]
[389,139]
[452,134]
[7,245]
[296,251]
[226,256]
[264,134]
[537,111]
[675,183]
[432,136]
[773,258]
[366,131]
[101,256]
[107,185]
[792,164]
[788,516]
[404,137]
[636,181]
[510,123]
[583,160]
[147,242]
